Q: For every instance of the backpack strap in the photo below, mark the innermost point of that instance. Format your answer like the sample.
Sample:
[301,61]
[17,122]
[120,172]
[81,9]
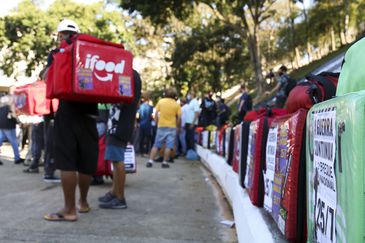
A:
[329,87]
[314,91]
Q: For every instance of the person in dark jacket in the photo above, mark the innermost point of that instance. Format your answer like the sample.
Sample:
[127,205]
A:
[223,113]
[121,122]
[145,113]
[208,113]
[7,131]
[245,104]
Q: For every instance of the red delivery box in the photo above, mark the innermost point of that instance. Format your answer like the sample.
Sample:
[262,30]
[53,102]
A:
[91,70]
[30,99]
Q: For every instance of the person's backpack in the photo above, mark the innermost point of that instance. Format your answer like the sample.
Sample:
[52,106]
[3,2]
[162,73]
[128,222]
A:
[291,83]
[316,89]
[88,69]
[192,155]
[352,72]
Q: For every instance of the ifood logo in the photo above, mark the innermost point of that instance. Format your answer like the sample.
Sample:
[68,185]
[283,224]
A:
[101,65]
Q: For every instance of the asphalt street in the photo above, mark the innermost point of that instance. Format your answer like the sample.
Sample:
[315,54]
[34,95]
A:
[179,204]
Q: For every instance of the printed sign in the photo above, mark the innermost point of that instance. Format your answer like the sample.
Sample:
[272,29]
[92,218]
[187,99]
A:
[85,78]
[325,192]
[237,148]
[212,139]
[251,149]
[226,145]
[205,139]
[270,166]
[129,160]
[125,85]
[278,212]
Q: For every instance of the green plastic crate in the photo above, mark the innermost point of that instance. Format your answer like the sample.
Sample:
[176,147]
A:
[335,170]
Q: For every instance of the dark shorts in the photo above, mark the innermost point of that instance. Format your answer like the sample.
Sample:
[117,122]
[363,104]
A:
[76,144]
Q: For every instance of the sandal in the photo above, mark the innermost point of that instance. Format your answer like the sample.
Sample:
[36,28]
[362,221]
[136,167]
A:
[84,210]
[59,217]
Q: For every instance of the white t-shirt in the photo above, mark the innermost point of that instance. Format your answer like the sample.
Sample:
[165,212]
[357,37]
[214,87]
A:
[184,111]
[192,108]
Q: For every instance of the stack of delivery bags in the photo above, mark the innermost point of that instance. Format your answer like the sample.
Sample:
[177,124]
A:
[335,158]
[305,164]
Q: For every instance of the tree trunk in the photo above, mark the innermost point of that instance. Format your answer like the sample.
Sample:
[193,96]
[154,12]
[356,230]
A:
[309,51]
[255,58]
[297,57]
[291,27]
[347,20]
[309,48]
[333,39]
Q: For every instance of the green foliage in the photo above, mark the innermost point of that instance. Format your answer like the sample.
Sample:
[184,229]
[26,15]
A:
[26,36]
[200,44]
[29,33]
[210,59]
[160,11]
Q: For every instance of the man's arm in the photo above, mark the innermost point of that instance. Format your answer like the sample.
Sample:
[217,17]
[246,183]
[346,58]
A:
[156,116]
[196,118]
[178,121]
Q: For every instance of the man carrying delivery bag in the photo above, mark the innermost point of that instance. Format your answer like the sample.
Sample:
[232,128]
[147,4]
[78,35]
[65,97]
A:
[84,71]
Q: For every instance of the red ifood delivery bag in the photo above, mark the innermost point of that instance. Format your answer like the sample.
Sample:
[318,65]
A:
[30,99]
[91,70]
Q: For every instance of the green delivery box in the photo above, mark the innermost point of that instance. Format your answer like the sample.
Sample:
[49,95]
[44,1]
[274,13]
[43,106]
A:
[335,157]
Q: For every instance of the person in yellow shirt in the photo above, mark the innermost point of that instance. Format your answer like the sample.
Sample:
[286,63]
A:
[167,117]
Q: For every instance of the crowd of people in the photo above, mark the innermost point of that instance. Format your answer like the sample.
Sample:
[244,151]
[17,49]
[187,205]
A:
[69,138]
[167,130]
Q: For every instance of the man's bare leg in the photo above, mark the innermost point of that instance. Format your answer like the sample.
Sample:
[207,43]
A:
[68,212]
[153,153]
[84,184]
[166,155]
[118,180]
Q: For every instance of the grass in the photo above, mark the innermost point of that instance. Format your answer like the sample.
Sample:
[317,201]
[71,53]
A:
[296,74]
[303,71]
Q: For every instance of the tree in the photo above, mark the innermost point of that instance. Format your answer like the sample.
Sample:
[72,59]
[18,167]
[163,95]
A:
[244,16]
[28,32]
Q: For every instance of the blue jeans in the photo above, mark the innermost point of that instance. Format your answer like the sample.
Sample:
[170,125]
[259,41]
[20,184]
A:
[37,143]
[190,137]
[49,166]
[182,140]
[10,135]
[145,139]
[165,135]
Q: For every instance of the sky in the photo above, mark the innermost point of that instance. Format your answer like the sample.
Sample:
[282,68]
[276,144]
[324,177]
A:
[6,6]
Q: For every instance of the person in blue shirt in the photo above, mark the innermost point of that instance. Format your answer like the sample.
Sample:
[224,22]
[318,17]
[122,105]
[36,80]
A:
[145,113]
[245,102]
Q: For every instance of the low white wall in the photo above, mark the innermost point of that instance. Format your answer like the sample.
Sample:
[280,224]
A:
[250,224]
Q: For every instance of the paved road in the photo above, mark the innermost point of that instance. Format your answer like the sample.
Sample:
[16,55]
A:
[180,204]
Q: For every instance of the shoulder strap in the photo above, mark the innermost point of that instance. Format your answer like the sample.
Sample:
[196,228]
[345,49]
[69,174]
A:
[329,87]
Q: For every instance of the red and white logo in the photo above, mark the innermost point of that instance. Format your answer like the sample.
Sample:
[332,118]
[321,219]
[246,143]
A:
[95,62]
